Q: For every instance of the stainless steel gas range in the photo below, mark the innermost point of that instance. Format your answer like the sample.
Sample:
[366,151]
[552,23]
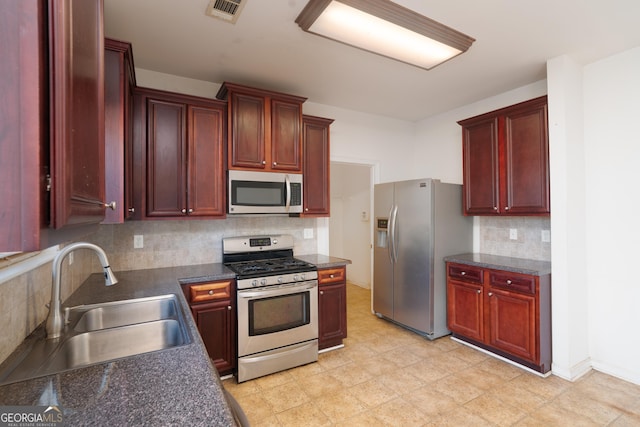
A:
[277,304]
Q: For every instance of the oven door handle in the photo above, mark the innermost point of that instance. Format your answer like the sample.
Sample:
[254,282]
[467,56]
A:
[276,292]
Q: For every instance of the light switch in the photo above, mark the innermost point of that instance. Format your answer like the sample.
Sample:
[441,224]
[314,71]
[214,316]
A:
[513,233]
[138,241]
[308,233]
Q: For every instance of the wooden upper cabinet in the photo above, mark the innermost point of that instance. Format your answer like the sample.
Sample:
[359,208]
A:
[506,161]
[52,141]
[265,129]
[316,171]
[77,112]
[179,143]
[119,82]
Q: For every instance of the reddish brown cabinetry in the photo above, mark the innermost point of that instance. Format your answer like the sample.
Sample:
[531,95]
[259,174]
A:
[214,311]
[265,129]
[52,140]
[504,312]
[332,307]
[179,144]
[506,161]
[315,136]
[119,82]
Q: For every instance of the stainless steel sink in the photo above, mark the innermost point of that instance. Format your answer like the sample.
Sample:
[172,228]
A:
[108,344]
[121,313]
[100,333]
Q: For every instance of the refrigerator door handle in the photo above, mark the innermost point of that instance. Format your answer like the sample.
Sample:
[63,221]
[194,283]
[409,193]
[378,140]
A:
[392,238]
[389,232]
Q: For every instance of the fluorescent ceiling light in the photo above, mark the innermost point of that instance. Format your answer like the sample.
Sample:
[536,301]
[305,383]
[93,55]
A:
[384,28]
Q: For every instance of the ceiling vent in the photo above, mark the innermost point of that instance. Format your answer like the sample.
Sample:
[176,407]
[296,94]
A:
[227,10]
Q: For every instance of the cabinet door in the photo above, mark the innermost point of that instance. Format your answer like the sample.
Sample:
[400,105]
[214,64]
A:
[513,323]
[77,112]
[316,178]
[166,162]
[527,160]
[481,167]
[286,144]
[465,310]
[247,129]
[206,195]
[332,314]
[217,327]
[119,80]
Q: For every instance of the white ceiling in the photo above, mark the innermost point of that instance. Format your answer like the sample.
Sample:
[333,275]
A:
[267,49]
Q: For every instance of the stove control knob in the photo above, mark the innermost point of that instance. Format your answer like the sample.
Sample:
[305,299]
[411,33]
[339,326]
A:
[303,276]
[254,282]
[263,282]
[295,278]
[280,279]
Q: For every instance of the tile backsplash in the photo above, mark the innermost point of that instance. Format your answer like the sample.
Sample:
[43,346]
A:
[495,237]
[166,244]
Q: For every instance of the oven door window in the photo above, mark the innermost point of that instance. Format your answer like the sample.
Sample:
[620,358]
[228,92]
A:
[258,193]
[279,313]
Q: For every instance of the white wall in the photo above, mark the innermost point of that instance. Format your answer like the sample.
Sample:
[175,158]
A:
[612,164]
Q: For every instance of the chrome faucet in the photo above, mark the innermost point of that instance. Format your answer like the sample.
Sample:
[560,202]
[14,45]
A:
[55,319]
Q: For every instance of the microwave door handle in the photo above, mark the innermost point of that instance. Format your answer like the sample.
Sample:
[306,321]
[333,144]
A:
[287,184]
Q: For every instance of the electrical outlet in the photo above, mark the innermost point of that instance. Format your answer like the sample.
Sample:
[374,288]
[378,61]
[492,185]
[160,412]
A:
[138,241]
[546,236]
[364,216]
[513,233]
[308,233]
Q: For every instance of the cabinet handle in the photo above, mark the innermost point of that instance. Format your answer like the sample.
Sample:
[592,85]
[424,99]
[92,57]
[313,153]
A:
[495,208]
[478,291]
[463,273]
[508,282]
[184,211]
[331,276]
[190,210]
[264,162]
[275,164]
[490,294]
[506,208]
[111,205]
[211,292]
[229,308]
[132,210]
[321,292]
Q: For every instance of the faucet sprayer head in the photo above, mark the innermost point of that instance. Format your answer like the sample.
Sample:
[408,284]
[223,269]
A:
[109,277]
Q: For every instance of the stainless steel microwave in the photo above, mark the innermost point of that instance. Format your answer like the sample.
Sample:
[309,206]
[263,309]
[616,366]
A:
[264,192]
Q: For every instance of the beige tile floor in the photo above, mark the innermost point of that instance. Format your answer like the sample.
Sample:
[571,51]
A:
[387,376]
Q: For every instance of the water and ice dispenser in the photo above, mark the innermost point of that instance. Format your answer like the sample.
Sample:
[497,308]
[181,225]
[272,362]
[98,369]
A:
[381,232]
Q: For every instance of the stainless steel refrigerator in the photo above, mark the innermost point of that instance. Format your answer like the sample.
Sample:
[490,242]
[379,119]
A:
[418,223]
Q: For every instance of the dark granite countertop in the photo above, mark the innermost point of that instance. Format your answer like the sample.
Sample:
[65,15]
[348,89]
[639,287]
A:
[178,386]
[324,261]
[515,265]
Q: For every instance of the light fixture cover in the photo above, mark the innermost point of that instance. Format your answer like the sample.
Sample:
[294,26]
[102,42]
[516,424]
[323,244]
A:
[384,28]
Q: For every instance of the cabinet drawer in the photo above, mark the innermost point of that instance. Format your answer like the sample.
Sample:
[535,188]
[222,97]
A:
[513,281]
[332,275]
[465,273]
[209,291]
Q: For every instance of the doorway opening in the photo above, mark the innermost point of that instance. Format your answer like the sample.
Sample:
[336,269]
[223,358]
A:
[350,230]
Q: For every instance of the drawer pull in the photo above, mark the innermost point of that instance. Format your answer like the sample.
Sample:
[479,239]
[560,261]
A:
[321,292]
[462,273]
[509,282]
[490,294]
[229,308]
[332,276]
[211,292]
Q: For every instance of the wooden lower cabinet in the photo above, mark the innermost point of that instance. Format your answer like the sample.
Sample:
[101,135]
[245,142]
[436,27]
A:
[213,306]
[503,312]
[332,307]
